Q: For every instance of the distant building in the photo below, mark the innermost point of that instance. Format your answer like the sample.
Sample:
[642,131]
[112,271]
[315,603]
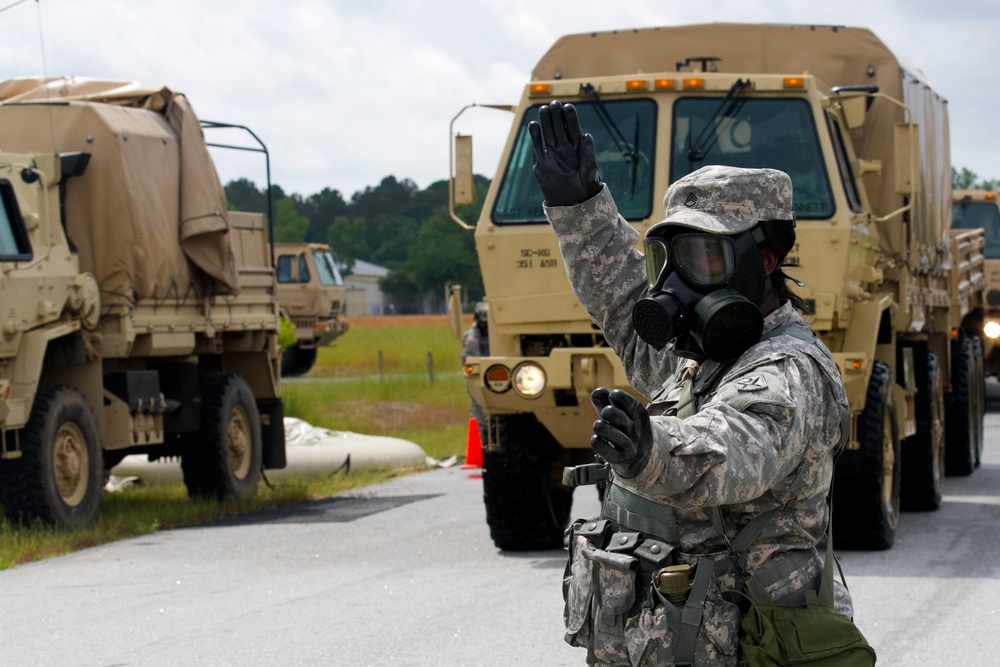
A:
[364,297]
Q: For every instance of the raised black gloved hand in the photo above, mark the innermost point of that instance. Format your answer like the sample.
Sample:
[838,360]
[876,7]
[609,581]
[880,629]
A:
[565,161]
[622,435]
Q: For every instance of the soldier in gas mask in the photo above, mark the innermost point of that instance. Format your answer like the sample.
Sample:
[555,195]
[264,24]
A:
[476,339]
[747,406]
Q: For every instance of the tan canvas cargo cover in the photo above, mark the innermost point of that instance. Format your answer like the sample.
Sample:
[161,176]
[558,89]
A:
[837,55]
[149,214]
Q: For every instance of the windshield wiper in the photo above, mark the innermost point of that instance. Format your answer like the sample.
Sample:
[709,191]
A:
[729,107]
[628,150]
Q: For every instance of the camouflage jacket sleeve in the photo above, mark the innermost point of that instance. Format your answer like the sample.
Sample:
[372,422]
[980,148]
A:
[608,275]
[768,431]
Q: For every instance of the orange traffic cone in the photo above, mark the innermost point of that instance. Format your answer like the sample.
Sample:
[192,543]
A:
[473,447]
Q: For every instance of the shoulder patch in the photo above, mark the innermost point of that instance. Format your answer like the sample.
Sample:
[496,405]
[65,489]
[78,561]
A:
[762,384]
[755,382]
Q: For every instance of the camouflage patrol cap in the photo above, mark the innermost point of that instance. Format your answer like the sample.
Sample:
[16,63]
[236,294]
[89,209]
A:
[728,200]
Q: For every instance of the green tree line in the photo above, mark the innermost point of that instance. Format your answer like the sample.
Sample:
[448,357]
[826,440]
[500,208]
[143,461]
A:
[406,229]
[394,224]
[966,179]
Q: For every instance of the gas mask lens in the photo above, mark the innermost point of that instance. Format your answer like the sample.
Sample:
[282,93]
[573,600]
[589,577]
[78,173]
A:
[703,260]
[656,260]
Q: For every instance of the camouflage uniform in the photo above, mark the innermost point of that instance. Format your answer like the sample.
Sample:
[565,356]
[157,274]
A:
[763,435]
[476,340]
[476,343]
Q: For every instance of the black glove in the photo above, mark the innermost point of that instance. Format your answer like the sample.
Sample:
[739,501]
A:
[565,161]
[622,436]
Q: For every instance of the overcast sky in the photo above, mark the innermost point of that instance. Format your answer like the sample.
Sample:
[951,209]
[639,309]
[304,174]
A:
[347,92]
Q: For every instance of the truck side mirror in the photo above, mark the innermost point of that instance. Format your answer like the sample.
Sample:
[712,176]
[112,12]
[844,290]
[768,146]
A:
[465,188]
[855,108]
[905,154]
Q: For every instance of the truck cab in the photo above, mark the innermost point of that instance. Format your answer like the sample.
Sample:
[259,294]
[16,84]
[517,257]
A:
[311,294]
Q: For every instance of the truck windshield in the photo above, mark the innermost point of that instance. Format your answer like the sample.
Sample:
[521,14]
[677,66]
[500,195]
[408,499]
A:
[327,268]
[757,132]
[972,215]
[623,131]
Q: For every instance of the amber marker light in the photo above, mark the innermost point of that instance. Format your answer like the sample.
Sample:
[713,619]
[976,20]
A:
[857,364]
[664,84]
[471,369]
[991,195]
[694,83]
[794,82]
[498,378]
[636,84]
[539,88]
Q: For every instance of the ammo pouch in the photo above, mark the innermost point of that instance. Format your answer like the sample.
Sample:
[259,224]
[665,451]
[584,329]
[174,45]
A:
[613,610]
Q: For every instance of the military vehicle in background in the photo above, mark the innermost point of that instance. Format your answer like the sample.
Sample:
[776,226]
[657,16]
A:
[312,296]
[893,291]
[979,209]
[139,316]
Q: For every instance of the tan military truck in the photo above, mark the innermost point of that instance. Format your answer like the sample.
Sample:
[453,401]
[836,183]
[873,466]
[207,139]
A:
[138,316]
[311,294]
[893,291]
[979,209]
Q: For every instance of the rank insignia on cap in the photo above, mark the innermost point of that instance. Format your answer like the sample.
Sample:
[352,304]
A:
[751,383]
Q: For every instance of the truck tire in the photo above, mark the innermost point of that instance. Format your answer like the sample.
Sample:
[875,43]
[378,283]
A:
[60,475]
[224,460]
[963,414]
[980,395]
[923,452]
[525,509]
[296,361]
[866,484]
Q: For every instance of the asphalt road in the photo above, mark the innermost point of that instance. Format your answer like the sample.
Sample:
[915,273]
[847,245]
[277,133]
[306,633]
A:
[405,574]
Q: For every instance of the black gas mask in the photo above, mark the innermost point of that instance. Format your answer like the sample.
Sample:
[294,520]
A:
[705,293]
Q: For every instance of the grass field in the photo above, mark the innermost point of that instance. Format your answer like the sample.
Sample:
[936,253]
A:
[347,390]
[408,395]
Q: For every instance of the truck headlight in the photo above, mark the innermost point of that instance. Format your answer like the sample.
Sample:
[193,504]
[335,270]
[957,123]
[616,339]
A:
[529,380]
[992,329]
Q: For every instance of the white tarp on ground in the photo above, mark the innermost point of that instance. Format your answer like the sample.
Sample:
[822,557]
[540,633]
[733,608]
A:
[310,451]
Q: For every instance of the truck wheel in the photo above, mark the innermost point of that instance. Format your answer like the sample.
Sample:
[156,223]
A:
[867,480]
[224,459]
[923,452]
[296,361]
[60,474]
[980,394]
[525,508]
[963,416]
